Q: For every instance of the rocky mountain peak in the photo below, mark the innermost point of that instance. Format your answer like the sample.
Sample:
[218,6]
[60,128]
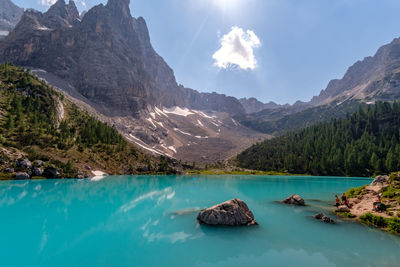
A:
[61,14]
[107,57]
[373,77]
[119,8]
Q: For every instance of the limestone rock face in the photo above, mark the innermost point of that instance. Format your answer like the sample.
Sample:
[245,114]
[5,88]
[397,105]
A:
[294,200]
[230,213]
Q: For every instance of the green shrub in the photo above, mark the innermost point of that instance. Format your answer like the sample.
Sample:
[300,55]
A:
[394,177]
[374,220]
[346,215]
[390,192]
[355,192]
[394,225]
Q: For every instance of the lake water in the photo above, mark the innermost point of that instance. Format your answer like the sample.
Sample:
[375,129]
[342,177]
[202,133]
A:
[151,221]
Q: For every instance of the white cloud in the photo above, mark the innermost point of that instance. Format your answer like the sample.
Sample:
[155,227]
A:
[237,49]
[47,2]
[82,2]
[52,2]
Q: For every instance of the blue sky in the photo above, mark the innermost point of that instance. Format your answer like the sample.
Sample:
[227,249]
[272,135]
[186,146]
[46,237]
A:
[302,44]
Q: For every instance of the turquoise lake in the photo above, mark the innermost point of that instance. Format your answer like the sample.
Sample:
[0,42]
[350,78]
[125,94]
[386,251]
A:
[151,221]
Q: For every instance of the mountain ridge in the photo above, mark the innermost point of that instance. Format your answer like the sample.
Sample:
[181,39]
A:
[106,60]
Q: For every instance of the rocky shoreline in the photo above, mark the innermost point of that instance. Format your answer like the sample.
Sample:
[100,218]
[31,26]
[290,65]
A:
[376,204]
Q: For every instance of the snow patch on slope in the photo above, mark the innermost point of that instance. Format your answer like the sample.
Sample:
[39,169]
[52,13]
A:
[182,132]
[178,111]
[151,121]
[160,112]
[172,148]
[139,142]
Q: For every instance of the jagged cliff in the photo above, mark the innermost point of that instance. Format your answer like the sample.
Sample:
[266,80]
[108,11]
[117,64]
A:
[107,56]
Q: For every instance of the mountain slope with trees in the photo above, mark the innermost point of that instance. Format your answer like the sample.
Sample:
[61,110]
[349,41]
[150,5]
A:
[363,144]
[39,123]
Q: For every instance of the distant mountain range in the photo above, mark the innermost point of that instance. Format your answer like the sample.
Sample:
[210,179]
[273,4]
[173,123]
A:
[374,79]
[104,61]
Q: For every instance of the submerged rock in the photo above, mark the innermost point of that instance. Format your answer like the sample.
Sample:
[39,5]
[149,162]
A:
[294,200]
[322,217]
[343,208]
[231,213]
[21,176]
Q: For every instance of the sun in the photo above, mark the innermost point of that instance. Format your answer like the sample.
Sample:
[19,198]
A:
[225,4]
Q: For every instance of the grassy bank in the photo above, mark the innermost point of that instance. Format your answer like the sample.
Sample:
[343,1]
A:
[363,198]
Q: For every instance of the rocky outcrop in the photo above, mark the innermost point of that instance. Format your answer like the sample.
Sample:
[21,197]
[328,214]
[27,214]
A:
[230,213]
[24,163]
[9,170]
[322,217]
[382,179]
[22,176]
[37,171]
[294,200]
[343,208]
[107,56]
[374,78]
[51,173]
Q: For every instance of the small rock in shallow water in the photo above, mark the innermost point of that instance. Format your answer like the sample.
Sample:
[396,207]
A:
[324,218]
[294,200]
[230,213]
[343,208]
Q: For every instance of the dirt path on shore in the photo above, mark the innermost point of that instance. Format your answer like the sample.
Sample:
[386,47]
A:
[366,203]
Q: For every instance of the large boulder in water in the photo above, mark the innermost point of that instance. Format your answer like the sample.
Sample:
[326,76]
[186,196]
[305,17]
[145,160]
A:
[230,213]
[294,200]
